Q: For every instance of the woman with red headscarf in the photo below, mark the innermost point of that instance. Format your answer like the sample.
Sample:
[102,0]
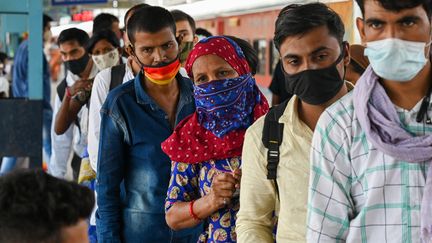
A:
[206,147]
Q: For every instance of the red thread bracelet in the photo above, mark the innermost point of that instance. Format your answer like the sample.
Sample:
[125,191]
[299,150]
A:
[191,212]
[68,94]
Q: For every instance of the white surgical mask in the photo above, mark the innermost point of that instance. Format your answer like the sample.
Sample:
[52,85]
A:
[396,59]
[106,60]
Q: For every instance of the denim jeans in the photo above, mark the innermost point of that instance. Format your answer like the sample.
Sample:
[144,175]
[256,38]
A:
[9,163]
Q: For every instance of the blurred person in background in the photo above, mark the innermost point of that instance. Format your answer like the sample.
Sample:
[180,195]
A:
[358,63]
[4,82]
[20,84]
[185,33]
[202,33]
[105,21]
[73,91]
[278,86]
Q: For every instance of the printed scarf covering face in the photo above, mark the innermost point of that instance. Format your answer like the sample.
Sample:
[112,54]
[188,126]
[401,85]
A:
[225,109]
[378,118]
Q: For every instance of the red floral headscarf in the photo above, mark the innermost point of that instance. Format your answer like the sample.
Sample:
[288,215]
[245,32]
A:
[191,142]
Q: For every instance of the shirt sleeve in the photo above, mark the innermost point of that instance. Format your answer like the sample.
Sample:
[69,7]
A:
[183,185]
[98,96]
[257,194]
[61,146]
[330,205]
[111,169]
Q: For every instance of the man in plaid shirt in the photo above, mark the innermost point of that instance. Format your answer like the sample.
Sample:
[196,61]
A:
[371,150]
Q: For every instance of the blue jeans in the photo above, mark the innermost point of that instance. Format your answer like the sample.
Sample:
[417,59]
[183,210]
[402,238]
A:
[8,163]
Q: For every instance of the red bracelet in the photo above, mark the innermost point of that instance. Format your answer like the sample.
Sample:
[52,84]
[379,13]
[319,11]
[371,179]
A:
[68,94]
[191,212]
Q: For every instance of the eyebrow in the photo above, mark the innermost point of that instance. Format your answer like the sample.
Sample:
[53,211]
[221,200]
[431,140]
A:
[321,48]
[145,47]
[374,20]
[408,18]
[400,20]
[71,51]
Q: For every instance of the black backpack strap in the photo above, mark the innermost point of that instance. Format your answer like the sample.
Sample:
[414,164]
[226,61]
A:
[117,75]
[272,139]
[61,89]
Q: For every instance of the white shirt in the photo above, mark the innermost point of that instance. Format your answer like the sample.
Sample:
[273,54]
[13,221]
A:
[62,144]
[98,96]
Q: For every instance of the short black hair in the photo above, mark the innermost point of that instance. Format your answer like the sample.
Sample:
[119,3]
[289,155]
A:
[104,21]
[35,206]
[179,15]
[46,20]
[107,35]
[132,10]
[397,6]
[296,19]
[249,52]
[150,19]
[203,32]
[73,34]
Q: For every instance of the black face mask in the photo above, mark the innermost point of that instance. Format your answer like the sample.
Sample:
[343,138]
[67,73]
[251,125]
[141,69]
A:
[77,66]
[315,86]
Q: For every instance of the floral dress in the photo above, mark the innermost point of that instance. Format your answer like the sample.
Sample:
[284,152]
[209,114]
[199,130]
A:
[192,181]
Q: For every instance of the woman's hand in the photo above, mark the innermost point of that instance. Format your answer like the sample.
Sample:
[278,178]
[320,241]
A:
[223,187]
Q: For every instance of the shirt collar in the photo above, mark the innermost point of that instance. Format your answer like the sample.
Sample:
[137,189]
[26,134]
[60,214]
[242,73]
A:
[292,119]
[186,90]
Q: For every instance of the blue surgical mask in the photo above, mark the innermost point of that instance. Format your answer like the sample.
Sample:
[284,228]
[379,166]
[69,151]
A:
[396,59]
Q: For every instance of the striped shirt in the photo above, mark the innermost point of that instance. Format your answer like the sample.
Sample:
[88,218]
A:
[357,193]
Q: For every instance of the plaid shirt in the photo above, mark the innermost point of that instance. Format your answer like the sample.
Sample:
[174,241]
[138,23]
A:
[357,193]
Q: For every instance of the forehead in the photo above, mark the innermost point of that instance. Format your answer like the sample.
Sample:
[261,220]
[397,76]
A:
[148,39]
[69,45]
[373,9]
[207,63]
[183,25]
[102,44]
[307,43]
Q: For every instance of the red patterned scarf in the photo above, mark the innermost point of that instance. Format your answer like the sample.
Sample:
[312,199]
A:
[191,142]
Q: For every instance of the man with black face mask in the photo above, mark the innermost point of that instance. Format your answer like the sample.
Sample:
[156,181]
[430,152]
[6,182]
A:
[313,56]
[72,93]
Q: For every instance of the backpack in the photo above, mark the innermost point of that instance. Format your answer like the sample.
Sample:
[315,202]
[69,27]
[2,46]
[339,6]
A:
[272,139]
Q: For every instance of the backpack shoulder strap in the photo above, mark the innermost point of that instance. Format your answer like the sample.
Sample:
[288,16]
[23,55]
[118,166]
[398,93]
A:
[61,89]
[272,138]
[117,74]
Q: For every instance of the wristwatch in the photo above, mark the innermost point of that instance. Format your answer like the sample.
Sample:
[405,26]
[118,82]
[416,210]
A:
[82,96]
